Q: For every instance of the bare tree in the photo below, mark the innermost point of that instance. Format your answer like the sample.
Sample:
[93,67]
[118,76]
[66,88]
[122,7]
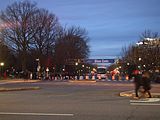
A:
[46,27]
[30,30]
[144,56]
[18,34]
[148,34]
[6,55]
[71,45]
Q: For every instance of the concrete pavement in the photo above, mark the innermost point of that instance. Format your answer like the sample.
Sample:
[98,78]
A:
[155,91]
[89,101]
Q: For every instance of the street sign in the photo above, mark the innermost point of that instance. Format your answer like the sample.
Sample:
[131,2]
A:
[100,60]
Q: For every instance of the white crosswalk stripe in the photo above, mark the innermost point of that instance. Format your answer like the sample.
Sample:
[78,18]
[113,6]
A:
[35,114]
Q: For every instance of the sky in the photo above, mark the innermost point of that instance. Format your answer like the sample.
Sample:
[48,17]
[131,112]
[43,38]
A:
[111,24]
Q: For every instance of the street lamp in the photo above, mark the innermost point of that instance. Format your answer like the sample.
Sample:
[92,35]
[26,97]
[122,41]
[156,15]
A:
[140,59]
[38,68]
[76,63]
[77,68]
[1,65]
[47,70]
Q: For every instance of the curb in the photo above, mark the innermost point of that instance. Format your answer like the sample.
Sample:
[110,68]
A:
[127,93]
[19,89]
[18,81]
[131,93]
[82,81]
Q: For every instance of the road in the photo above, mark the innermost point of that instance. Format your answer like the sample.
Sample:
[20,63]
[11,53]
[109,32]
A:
[73,101]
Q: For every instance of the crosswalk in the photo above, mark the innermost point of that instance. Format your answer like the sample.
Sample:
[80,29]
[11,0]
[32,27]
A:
[146,101]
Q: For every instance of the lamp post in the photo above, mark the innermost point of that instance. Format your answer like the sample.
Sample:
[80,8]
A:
[139,66]
[76,63]
[139,59]
[38,68]
[1,65]
[77,71]
[47,70]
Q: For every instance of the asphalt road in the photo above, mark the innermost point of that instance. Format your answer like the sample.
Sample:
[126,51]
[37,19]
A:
[73,101]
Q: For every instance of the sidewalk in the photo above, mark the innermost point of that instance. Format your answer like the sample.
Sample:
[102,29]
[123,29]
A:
[7,81]
[17,81]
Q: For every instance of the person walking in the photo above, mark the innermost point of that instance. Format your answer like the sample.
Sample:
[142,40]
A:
[137,81]
[146,82]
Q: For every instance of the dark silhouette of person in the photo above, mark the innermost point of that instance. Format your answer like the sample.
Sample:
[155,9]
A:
[146,82]
[137,80]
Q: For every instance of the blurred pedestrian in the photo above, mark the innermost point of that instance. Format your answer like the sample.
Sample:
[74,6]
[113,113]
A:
[137,80]
[146,82]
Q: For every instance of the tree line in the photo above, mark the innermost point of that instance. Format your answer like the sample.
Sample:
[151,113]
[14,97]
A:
[144,55]
[29,33]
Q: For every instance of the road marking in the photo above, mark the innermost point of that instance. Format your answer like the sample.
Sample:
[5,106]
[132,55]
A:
[35,114]
[154,104]
[145,100]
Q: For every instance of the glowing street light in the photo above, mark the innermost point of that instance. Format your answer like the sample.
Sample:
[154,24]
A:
[1,68]
[2,64]
[139,59]
[76,63]
[38,68]
[77,68]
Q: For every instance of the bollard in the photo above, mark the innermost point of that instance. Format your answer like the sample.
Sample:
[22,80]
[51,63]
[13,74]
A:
[52,78]
[31,76]
[127,77]
[81,78]
[76,77]
[107,77]
[113,77]
[93,77]
[87,77]
[120,78]
[99,77]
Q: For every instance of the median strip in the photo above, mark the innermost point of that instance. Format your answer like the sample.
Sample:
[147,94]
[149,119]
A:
[19,89]
[82,81]
[132,93]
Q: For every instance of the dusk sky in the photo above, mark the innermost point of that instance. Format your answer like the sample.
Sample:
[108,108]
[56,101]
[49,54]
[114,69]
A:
[111,24]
